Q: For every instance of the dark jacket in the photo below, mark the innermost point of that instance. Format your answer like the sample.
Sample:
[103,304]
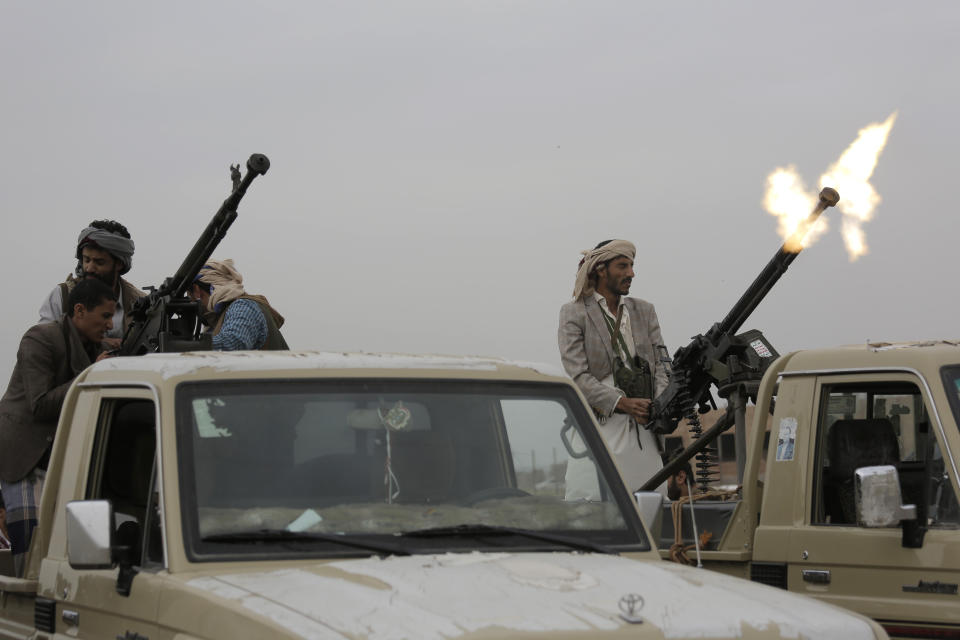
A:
[50,356]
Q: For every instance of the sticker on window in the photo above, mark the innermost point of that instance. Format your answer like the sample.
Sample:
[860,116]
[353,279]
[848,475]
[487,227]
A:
[206,427]
[786,439]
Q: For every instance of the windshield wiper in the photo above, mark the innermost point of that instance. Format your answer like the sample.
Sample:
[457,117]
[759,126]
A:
[473,530]
[283,535]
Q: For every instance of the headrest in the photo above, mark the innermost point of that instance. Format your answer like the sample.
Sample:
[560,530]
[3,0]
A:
[861,443]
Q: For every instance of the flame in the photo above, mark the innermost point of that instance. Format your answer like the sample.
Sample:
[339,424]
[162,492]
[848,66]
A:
[850,175]
[788,198]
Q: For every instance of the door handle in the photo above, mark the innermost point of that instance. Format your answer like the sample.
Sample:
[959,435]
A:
[816,576]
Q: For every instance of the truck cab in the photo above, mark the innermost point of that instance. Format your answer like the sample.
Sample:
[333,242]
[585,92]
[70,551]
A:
[312,495]
[842,419]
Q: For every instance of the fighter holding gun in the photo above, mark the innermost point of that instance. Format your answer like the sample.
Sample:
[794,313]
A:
[608,345]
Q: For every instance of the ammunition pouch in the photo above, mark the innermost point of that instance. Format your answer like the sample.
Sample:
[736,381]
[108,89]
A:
[635,381]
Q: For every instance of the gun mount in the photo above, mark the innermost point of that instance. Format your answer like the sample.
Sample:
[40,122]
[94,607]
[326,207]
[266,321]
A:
[165,319]
[734,363]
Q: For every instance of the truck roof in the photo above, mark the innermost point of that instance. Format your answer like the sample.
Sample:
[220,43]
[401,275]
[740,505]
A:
[168,367]
[927,355]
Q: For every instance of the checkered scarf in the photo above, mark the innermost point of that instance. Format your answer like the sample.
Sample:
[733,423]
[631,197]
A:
[586,278]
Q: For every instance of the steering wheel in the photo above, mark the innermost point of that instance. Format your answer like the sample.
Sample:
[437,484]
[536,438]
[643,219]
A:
[492,493]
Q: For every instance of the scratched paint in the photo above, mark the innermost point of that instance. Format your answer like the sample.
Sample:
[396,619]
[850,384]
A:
[171,365]
[445,596]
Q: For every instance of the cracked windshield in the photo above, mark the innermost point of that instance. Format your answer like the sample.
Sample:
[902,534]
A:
[389,458]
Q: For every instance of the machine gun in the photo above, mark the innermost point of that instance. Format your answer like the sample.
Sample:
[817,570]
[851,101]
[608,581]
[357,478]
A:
[165,319]
[734,363]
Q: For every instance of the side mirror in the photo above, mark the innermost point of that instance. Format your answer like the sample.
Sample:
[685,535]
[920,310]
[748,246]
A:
[878,499]
[90,534]
[571,444]
[650,504]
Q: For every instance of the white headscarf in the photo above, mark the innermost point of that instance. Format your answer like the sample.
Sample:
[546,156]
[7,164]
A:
[586,280]
[226,283]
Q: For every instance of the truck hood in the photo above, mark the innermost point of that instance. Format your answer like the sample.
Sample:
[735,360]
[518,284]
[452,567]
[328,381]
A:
[459,595]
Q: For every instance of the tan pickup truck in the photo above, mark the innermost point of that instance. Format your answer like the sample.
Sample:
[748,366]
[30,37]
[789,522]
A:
[305,495]
[857,501]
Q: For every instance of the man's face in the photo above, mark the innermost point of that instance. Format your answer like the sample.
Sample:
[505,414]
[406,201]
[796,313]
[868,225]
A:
[93,324]
[616,276]
[196,293]
[97,263]
[677,485]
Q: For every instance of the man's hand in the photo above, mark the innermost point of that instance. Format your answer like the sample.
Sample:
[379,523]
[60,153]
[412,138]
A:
[104,355]
[109,344]
[639,408]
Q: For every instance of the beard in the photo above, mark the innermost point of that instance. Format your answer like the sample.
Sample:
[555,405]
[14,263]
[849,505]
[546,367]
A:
[619,286]
[107,279]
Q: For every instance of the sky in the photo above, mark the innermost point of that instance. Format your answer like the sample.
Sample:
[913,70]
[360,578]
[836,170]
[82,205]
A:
[437,166]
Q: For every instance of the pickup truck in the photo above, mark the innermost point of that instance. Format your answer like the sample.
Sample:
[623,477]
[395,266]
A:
[309,495]
[857,501]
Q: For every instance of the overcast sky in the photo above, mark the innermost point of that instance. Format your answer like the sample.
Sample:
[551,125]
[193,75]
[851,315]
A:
[437,166]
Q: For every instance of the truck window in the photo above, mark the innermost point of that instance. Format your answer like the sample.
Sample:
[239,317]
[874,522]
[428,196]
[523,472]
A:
[387,457]
[868,424]
[951,382]
[123,472]
[540,460]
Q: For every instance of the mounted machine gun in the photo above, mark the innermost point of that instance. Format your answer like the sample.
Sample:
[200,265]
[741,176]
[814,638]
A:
[165,319]
[733,362]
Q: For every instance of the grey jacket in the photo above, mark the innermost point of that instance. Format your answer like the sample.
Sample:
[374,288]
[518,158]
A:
[50,356]
[588,357]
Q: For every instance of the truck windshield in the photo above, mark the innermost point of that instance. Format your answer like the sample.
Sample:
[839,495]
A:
[423,466]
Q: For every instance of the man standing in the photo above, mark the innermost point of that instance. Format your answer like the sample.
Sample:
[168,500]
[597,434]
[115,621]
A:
[608,345]
[50,356]
[237,319]
[105,252]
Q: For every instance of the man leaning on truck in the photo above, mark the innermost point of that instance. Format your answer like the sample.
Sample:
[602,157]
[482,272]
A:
[50,356]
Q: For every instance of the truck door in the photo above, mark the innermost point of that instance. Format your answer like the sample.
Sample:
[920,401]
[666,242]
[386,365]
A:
[866,420]
[122,469]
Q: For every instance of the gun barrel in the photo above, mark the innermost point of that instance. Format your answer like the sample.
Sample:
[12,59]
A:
[151,314]
[777,266]
[257,165]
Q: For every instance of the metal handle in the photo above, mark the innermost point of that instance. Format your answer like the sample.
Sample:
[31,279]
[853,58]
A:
[816,576]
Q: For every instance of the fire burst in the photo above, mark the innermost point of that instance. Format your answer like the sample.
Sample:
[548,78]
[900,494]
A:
[788,198]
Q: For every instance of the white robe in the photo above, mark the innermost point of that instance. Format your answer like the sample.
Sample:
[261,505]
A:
[637,461]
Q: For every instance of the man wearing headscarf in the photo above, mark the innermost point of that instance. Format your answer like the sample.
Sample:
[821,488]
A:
[238,320]
[104,252]
[591,350]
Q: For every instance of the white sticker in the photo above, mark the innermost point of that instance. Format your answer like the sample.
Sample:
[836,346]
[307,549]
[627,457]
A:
[761,349]
[206,427]
[786,439]
[305,520]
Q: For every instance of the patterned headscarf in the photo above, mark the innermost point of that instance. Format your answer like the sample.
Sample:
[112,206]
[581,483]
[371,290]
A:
[226,283]
[113,243]
[586,278]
